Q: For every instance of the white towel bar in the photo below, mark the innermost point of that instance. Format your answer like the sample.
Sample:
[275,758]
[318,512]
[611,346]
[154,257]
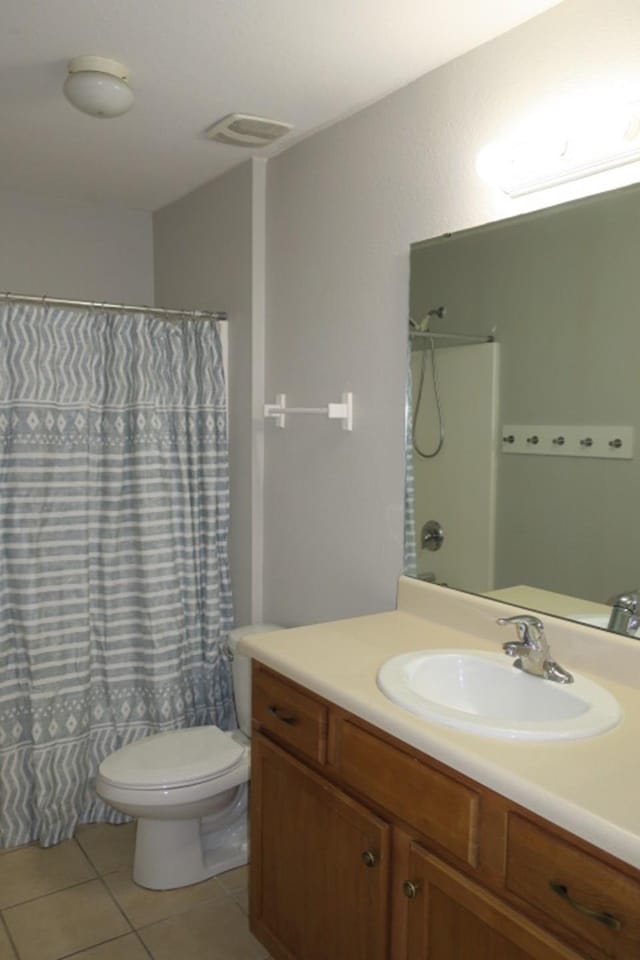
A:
[334,411]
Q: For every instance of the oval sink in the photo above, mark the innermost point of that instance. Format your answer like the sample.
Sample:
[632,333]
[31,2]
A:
[484,693]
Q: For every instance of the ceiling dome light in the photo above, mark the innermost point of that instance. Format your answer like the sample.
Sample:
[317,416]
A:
[98,86]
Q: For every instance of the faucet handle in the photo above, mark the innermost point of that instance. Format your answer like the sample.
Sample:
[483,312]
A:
[530,629]
[526,619]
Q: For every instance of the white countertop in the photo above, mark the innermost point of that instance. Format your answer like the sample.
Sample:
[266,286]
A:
[590,787]
[558,604]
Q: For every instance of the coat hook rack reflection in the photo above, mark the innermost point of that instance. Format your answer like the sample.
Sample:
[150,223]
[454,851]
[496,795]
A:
[613,443]
[343,411]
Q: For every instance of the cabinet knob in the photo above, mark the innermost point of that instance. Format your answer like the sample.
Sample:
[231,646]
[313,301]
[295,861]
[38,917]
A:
[369,858]
[410,889]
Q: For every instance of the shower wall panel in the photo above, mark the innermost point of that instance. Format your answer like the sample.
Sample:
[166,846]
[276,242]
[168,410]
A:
[458,486]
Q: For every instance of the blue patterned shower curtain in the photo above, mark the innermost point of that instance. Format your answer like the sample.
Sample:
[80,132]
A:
[114,584]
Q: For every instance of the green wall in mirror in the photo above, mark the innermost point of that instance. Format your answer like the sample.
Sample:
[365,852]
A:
[561,289]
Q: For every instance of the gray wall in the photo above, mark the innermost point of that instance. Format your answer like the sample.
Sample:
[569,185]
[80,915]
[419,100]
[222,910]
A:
[203,258]
[343,207]
[560,287]
[75,251]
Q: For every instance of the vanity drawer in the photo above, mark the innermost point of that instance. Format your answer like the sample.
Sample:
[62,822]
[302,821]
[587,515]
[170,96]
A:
[591,899]
[440,808]
[291,716]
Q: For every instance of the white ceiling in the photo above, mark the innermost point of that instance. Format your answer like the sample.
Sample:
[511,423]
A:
[307,62]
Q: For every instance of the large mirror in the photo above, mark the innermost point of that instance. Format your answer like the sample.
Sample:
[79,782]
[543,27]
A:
[527,483]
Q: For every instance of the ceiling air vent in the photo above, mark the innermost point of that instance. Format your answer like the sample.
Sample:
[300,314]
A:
[243,130]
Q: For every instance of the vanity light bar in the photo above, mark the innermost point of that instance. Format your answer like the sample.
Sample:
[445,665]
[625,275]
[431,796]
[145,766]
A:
[520,187]
[578,138]
[614,443]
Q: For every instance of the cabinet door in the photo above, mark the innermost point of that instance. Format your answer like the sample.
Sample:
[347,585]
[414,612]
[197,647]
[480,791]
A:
[319,865]
[451,918]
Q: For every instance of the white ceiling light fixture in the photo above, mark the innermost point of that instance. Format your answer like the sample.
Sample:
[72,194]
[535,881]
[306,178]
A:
[598,139]
[98,86]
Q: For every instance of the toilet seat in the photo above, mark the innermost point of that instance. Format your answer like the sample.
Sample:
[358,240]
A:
[184,757]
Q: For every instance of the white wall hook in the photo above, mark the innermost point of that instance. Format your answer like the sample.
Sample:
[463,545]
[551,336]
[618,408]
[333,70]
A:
[334,411]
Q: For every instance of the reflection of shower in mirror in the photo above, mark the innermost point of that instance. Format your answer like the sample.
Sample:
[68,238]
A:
[422,337]
[458,484]
[422,327]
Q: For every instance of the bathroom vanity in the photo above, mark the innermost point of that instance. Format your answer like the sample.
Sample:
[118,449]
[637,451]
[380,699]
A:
[379,836]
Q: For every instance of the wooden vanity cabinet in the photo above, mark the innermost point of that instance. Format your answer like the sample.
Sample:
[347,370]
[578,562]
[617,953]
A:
[320,865]
[449,917]
[363,848]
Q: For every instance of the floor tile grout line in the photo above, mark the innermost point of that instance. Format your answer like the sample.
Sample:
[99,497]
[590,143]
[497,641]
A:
[224,895]
[86,856]
[192,906]
[100,943]
[195,906]
[186,909]
[51,893]
[96,866]
[5,851]
[8,933]
[101,875]
[120,909]
[223,892]
[67,886]
[229,895]
[144,946]
[171,916]
[89,946]
[134,930]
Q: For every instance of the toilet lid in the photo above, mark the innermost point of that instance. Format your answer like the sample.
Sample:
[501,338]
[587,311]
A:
[179,757]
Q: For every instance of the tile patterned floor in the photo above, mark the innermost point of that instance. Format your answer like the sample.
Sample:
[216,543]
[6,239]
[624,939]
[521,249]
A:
[77,900]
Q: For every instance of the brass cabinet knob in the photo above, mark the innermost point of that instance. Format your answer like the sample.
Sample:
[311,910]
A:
[410,889]
[369,858]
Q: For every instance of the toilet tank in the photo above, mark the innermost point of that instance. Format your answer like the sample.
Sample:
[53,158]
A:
[242,672]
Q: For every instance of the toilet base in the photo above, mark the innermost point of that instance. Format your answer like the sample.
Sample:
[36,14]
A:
[177,853]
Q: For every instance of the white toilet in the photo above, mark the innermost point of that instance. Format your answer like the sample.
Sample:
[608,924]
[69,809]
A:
[189,791]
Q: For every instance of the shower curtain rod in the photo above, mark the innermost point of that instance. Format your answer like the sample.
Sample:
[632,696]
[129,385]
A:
[126,308]
[466,337]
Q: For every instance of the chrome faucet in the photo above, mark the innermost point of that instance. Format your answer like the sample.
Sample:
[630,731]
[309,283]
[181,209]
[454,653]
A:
[624,613]
[532,650]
